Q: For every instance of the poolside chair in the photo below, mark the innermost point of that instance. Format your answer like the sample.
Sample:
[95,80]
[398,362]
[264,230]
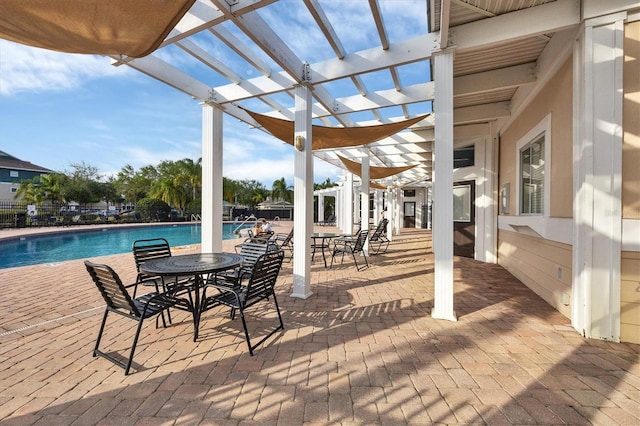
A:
[259,288]
[251,251]
[351,246]
[119,301]
[149,249]
[157,248]
[283,242]
[378,238]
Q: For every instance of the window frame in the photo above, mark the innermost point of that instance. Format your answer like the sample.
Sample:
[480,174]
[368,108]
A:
[540,130]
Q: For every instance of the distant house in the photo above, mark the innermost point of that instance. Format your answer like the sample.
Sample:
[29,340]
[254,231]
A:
[13,171]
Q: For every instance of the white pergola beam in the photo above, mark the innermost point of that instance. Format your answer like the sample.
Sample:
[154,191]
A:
[241,49]
[262,35]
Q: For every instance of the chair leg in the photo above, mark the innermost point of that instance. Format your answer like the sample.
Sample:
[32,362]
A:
[246,332]
[275,300]
[355,262]
[133,347]
[104,321]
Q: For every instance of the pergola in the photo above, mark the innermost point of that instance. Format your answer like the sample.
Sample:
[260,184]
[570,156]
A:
[467,65]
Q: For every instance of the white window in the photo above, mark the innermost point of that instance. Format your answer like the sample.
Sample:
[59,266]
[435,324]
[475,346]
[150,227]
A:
[533,170]
[532,177]
[13,173]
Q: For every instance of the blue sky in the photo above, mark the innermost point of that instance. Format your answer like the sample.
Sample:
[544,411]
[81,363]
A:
[57,109]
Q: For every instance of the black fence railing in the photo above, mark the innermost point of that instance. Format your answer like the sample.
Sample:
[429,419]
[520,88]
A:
[18,214]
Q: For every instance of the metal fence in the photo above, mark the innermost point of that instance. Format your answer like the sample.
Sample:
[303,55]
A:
[18,214]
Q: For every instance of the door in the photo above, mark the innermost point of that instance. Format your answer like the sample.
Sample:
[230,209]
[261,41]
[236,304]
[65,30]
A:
[464,218]
[409,214]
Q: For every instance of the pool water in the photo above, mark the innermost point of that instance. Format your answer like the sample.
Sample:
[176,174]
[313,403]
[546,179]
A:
[61,246]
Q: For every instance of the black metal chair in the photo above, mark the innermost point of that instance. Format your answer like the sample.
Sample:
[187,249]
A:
[251,251]
[351,246]
[156,248]
[119,301]
[259,288]
[283,242]
[378,238]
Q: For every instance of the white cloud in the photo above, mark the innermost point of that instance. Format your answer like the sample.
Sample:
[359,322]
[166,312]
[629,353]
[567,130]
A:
[24,68]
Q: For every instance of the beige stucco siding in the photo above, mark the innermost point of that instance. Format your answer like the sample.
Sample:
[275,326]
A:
[555,99]
[542,265]
[631,123]
[630,297]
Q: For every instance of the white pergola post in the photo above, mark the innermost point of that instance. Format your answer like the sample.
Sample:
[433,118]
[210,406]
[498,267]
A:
[443,187]
[338,206]
[597,177]
[356,204]
[347,205]
[364,199]
[320,208]
[377,206]
[398,208]
[212,122]
[390,214]
[303,194]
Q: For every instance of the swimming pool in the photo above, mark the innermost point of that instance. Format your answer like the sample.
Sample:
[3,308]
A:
[61,246]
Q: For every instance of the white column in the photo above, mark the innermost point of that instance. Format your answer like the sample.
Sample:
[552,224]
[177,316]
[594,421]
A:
[377,206]
[303,195]
[398,207]
[357,190]
[211,179]
[390,213]
[364,198]
[347,205]
[443,187]
[339,213]
[597,171]
[320,208]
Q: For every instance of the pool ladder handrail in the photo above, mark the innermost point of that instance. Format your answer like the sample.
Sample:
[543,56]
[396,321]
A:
[251,218]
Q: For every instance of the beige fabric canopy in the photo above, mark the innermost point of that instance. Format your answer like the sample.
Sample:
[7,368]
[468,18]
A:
[374,172]
[106,27]
[376,185]
[333,137]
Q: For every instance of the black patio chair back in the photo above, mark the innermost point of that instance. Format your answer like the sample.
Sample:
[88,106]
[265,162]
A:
[284,242]
[378,238]
[251,251]
[118,300]
[145,250]
[352,246]
[259,288]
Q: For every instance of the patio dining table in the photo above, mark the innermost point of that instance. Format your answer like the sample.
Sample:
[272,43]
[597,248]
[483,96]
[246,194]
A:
[197,265]
[321,241]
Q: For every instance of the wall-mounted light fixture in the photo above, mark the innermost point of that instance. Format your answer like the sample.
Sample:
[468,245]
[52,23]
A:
[299,143]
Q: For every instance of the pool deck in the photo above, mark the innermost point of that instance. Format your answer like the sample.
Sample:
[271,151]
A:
[362,350]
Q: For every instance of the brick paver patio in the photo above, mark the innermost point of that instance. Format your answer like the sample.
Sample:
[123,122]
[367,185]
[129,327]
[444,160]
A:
[362,350]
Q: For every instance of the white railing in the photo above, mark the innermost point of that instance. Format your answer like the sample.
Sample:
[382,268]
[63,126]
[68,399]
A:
[251,218]
[196,218]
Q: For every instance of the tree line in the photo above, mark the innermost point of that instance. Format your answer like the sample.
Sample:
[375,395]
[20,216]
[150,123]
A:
[177,183]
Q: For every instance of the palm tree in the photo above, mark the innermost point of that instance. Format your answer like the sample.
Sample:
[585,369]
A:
[53,184]
[30,191]
[280,191]
[190,173]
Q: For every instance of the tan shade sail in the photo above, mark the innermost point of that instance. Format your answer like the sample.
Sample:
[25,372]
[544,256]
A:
[105,27]
[333,137]
[374,172]
[376,185]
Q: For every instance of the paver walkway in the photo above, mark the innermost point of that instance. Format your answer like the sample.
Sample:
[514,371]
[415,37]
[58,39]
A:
[362,350]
